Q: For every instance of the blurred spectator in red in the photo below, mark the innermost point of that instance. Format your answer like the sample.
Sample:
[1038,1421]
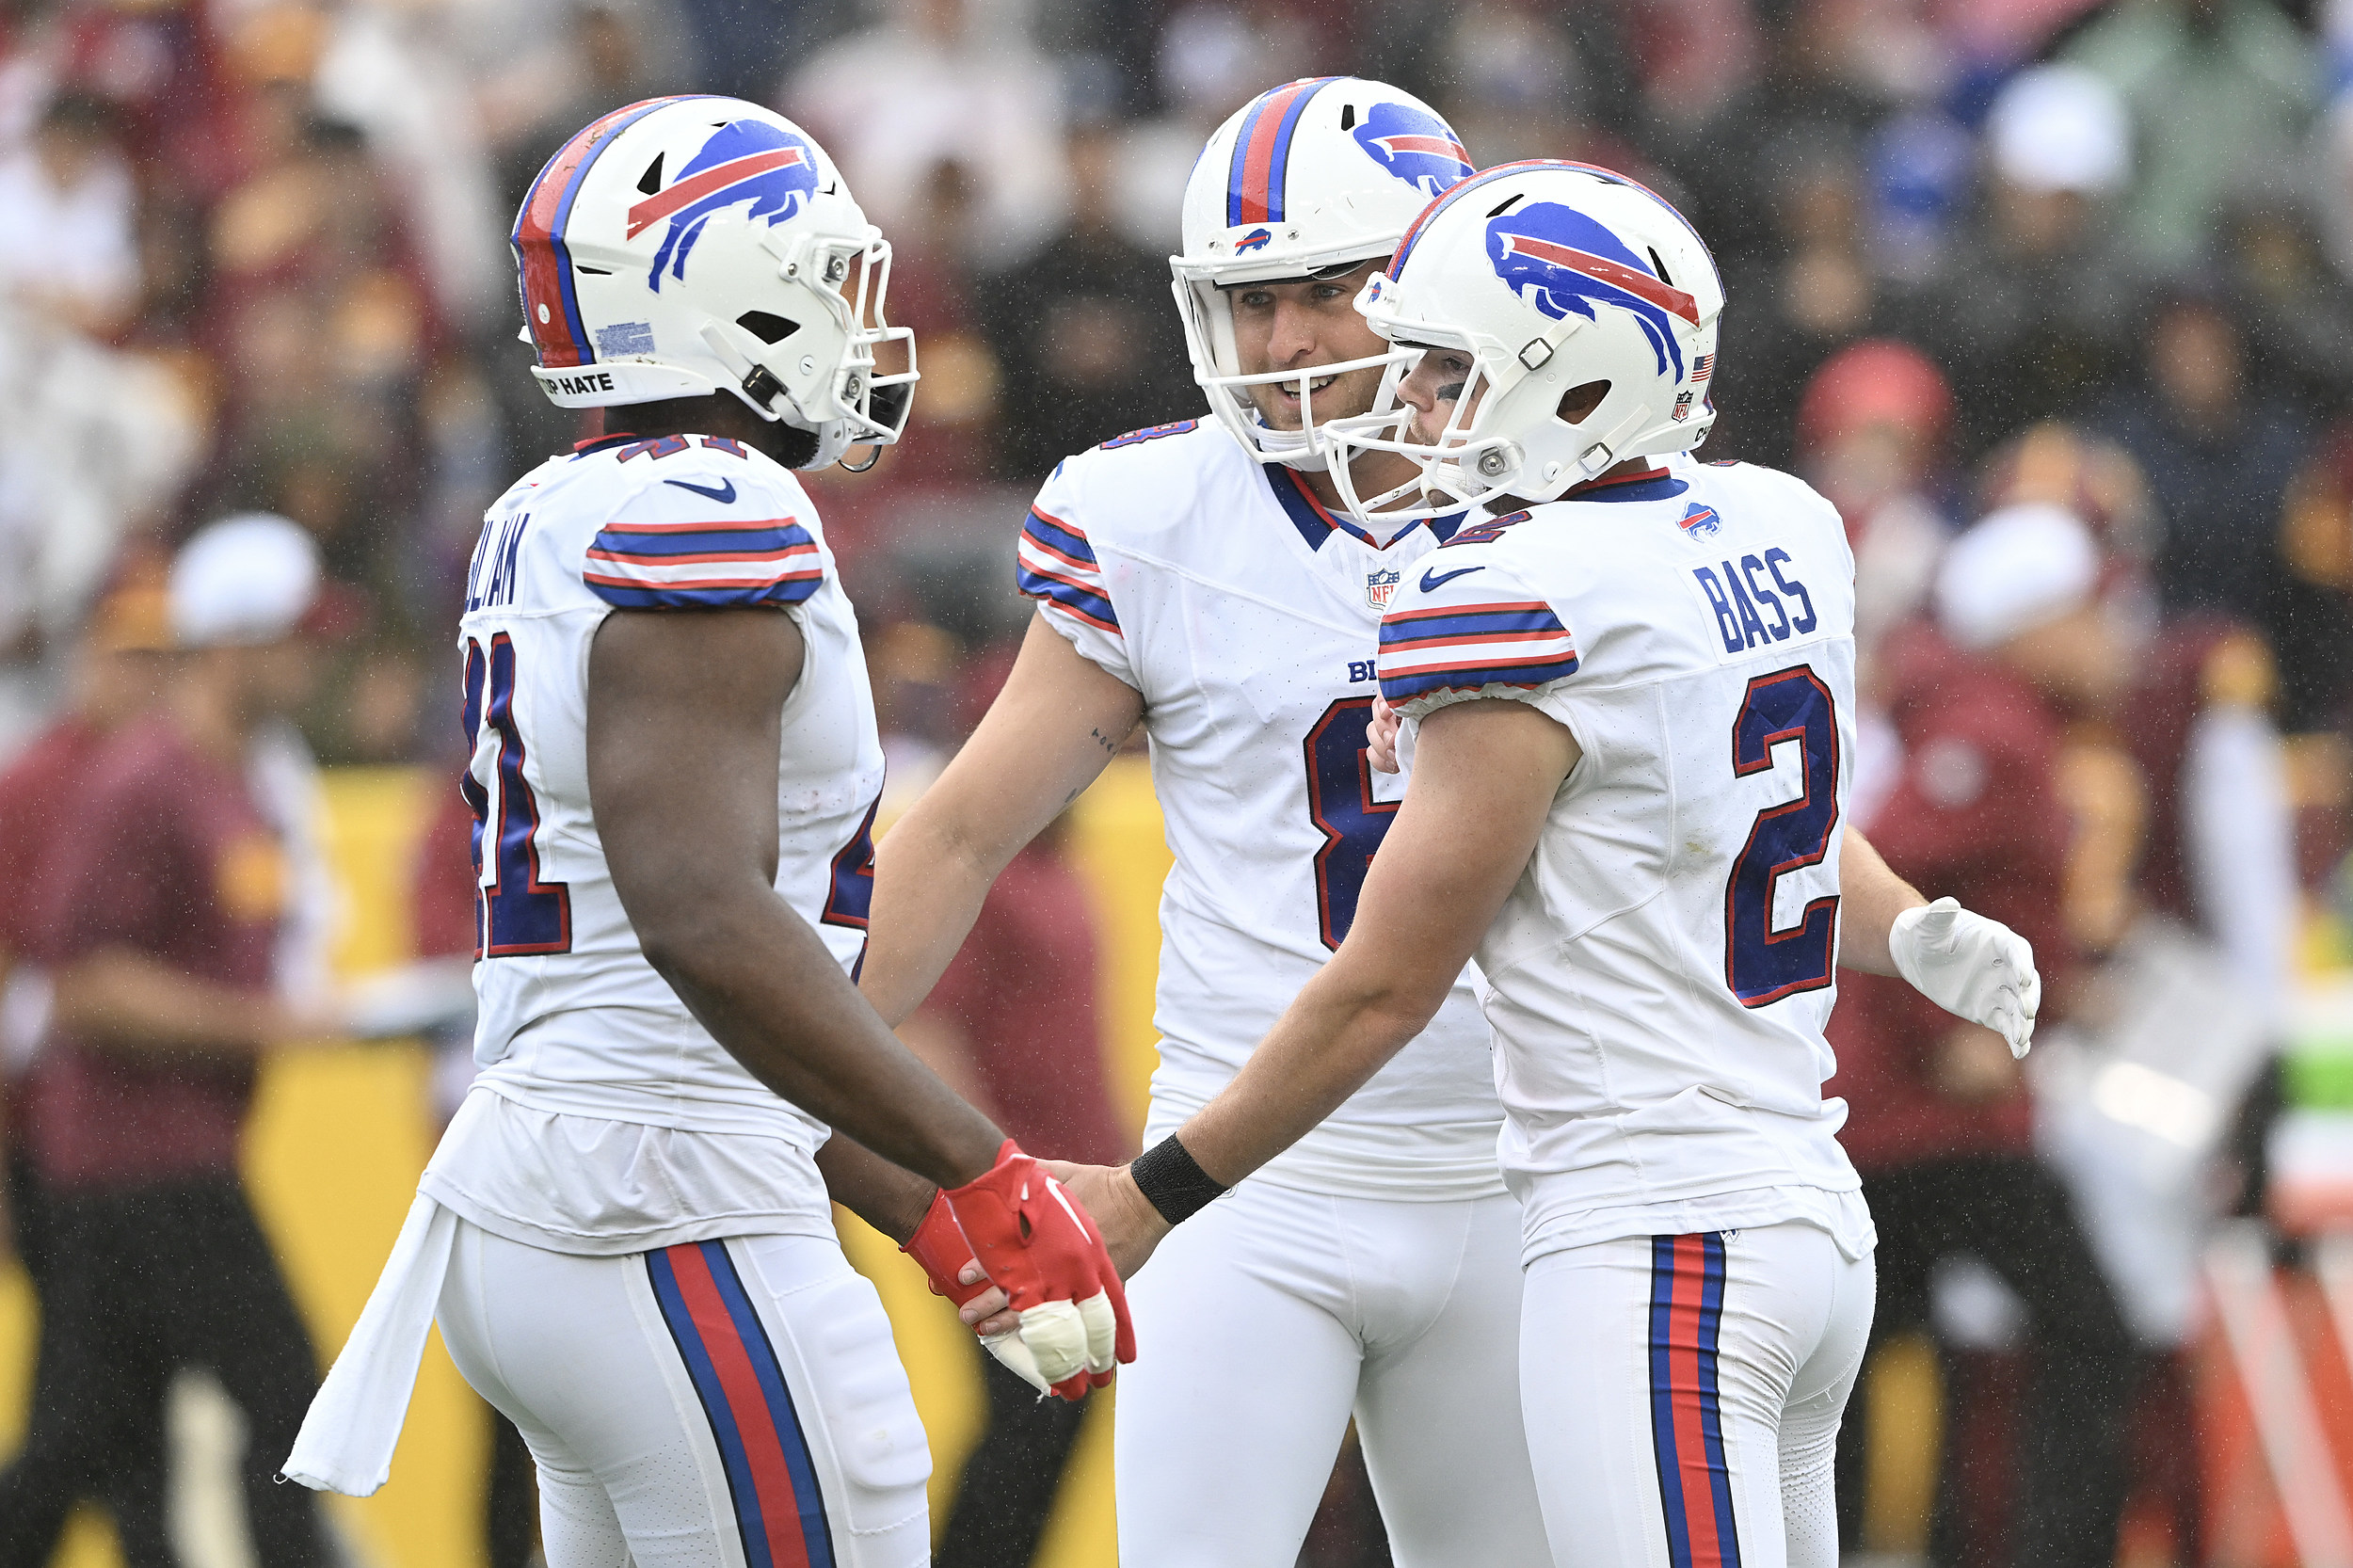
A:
[1013,1027]
[1090,342]
[175,903]
[116,676]
[67,211]
[2041,308]
[2219,455]
[1872,428]
[2221,94]
[1939,1122]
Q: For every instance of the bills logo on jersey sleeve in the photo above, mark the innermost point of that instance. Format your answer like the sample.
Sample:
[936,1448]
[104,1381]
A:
[1416,148]
[1562,262]
[745,161]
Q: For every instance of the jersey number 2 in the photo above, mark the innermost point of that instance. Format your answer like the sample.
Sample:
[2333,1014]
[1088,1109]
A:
[1762,964]
[1341,803]
[515,913]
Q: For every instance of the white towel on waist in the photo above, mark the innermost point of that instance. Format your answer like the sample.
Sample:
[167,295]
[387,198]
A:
[348,1439]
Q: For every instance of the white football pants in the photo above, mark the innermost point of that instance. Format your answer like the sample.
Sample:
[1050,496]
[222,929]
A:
[1683,1395]
[716,1404]
[1264,1320]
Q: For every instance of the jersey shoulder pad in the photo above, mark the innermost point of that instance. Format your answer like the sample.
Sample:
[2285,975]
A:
[1469,621]
[702,522]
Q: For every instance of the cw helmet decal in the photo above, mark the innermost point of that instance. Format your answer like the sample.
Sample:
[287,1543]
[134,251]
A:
[1550,278]
[685,246]
[1310,179]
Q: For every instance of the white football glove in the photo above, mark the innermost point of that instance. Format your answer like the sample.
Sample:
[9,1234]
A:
[1972,968]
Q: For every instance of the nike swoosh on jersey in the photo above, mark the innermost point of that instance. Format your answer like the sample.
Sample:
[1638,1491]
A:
[723,493]
[1432,585]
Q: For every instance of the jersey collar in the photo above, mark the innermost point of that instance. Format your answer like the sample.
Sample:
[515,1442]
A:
[598,443]
[1650,484]
[1317,522]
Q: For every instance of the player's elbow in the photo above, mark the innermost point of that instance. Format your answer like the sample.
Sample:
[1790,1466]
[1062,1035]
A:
[686,929]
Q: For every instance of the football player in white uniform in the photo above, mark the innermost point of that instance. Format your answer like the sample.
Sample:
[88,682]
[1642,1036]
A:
[1195,578]
[1632,708]
[625,1234]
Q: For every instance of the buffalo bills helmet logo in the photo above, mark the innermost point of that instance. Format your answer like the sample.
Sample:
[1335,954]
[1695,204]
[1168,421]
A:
[1420,149]
[1561,261]
[745,161]
[1257,239]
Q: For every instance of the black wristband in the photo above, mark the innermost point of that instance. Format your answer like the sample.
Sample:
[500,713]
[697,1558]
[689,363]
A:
[1172,1182]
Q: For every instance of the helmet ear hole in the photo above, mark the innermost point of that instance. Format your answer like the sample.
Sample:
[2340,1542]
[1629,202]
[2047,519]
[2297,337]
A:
[1579,403]
[766,326]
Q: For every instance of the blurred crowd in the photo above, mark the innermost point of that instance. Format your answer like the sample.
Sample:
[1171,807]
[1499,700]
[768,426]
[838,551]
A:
[2052,298]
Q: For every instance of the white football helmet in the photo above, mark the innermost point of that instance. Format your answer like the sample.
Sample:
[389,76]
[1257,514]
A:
[685,246]
[1317,175]
[1550,276]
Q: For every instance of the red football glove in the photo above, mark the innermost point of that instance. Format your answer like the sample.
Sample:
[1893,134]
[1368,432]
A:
[1044,1252]
[943,1252]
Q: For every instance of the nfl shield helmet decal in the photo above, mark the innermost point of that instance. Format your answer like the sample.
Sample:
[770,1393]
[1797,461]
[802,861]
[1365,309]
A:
[1380,588]
[745,161]
[1562,261]
[1414,147]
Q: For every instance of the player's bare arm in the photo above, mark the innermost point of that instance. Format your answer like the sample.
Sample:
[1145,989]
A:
[1484,779]
[1057,724]
[125,1001]
[684,729]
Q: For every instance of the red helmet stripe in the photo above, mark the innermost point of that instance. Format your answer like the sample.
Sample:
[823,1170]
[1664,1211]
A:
[653,208]
[541,255]
[1262,148]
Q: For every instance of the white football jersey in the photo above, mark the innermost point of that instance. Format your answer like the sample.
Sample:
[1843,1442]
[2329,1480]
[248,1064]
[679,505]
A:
[1659,977]
[574,1022]
[1248,618]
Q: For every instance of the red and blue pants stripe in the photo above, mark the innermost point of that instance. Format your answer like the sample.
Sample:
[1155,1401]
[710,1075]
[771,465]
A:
[780,1510]
[1687,1308]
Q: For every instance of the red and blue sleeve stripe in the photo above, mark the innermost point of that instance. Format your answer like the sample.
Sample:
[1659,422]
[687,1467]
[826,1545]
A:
[703,565]
[772,1481]
[543,259]
[1687,1308]
[1463,648]
[1254,181]
[1055,564]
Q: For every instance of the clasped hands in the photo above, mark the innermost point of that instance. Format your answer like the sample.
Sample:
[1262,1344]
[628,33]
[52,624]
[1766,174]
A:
[1111,1210]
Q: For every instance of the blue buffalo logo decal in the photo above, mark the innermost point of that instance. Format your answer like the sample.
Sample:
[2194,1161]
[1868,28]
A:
[1257,239]
[1699,522]
[1561,261]
[1417,147]
[747,161]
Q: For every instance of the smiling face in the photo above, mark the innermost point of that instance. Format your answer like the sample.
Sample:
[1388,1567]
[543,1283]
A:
[1295,325]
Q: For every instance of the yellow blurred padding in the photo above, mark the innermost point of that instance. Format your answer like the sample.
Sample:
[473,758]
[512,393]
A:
[339,1136]
[1904,1393]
